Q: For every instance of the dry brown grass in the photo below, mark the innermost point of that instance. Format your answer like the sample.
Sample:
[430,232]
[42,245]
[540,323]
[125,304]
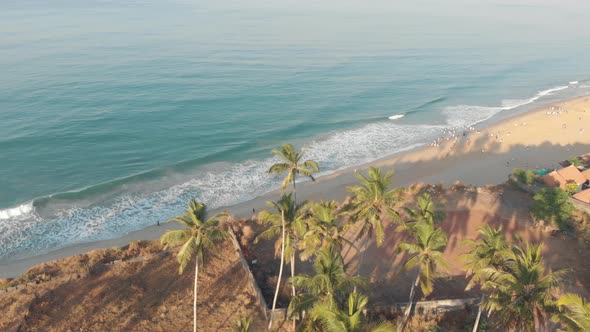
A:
[134,288]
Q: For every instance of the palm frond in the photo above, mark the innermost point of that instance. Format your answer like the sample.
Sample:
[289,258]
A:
[174,237]
[185,253]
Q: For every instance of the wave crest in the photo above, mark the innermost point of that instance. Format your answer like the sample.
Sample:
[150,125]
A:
[20,211]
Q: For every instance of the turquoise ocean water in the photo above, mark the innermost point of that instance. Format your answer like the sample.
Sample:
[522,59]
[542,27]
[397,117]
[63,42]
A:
[114,113]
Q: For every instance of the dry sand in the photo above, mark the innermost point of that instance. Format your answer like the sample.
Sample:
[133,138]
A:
[538,139]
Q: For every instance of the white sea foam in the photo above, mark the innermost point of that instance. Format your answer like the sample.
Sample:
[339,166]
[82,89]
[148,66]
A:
[468,115]
[550,91]
[574,82]
[17,212]
[24,233]
[396,116]
[217,186]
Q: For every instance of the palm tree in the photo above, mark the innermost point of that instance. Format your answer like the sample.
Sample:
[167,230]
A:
[574,312]
[427,254]
[521,293]
[481,255]
[289,222]
[327,286]
[200,234]
[426,212]
[348,318]
[242,324]
[293,165]
[323,229]
[371,201]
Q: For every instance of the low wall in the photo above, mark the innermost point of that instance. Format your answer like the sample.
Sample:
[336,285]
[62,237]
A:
[249,274]
[434,307]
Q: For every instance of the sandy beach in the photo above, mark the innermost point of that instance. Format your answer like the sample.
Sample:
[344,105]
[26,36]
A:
[538,139]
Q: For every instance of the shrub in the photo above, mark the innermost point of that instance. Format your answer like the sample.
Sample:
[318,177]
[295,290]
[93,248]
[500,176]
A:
[529,177]
[518,173]
[571,188]
[552,205]
[576,161]
[526,177]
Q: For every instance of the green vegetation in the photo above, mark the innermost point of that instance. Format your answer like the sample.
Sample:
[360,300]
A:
[372,200]
[576,161]
[293,166]
[348,317]
[242,325]
[551,204]
[520,292]
[323,229]
[326,289]
[482,256]
[426,253]
[289,222]
[516,289]
[199,235]
[526,177]
[571,188]
[574,312]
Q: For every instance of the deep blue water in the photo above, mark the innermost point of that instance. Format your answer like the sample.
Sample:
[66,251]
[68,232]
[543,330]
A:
[114,113]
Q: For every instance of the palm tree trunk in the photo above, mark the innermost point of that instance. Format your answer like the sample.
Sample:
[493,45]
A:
[410,303]
[195,290]
[539,321]
[362,258]
[294,191]
[274,301]
[479,311]
[293,274]
[293,293]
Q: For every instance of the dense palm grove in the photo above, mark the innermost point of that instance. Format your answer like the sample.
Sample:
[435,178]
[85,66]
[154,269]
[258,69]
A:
[516,290]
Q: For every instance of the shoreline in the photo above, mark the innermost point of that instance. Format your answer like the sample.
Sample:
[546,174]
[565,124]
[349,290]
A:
[486,156]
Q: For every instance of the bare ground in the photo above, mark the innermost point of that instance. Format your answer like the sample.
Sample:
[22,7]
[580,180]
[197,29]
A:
[466,209]
[136,288]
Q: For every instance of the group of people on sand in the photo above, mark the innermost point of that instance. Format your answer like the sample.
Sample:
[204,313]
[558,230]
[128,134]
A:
[452,133]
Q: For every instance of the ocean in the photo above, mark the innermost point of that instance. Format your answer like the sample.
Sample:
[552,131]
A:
[113,114]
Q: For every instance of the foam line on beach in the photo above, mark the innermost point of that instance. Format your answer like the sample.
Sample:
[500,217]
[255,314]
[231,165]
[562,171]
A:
[60,220]
[469,115]
[85,216]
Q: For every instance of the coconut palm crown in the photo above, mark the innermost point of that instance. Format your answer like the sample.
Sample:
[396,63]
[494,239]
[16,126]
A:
[323,229]
[484,253]
[373,199]
[327,286]
[349,317]
[292,164]
[199,235]
[522,292]
[295,225]
[426,253]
